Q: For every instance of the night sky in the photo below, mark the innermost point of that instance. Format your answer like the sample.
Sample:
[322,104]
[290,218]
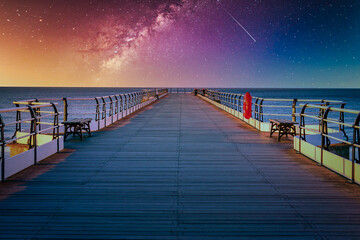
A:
[182,43]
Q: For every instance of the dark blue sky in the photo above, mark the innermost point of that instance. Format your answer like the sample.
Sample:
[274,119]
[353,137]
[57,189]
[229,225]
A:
[299,43]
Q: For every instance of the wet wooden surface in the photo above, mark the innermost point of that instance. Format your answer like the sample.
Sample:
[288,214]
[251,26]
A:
[180,169]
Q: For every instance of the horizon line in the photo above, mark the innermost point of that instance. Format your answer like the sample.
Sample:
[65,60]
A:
[183,87]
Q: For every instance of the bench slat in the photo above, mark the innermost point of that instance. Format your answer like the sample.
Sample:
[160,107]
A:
[78,121]
[282,121]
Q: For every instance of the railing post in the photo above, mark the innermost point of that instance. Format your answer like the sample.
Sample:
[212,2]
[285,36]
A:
[356,140]
[121,109]
[321,112]
[56,133]
[103,113]
[111,112]
[37,113]
[256,110]
[131,103]
[140,94]
[2,142]
[126,103]
[239,103]
[116,107]
[232,101]
[65,109]
[293,114]
[33,129]
[136,100]
[97,114]
[324,131]
[236,102]
[18,120]
[261,115]
[342,120]
[302,124]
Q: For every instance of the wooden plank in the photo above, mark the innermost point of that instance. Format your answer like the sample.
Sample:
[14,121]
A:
[179,169]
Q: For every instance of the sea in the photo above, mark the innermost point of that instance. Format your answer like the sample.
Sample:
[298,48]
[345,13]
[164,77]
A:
[10,94]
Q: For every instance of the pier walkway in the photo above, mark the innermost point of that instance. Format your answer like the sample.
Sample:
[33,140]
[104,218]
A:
[179,169]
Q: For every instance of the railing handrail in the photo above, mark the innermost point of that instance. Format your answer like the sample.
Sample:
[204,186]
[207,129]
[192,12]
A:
[3,110]
[344,110]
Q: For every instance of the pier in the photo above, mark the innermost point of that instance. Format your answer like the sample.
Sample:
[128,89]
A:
[179,168]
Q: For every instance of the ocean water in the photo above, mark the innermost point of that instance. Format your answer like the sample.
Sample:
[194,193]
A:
[10,94]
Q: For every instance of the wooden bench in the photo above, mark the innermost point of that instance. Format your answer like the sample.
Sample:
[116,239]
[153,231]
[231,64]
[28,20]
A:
[284,126]
[76,126]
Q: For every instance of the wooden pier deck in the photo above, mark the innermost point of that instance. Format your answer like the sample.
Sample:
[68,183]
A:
[179,169]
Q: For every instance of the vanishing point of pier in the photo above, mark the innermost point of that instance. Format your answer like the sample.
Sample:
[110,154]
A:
[178,169]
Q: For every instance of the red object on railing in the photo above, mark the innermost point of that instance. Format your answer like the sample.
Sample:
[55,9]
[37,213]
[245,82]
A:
[247,105]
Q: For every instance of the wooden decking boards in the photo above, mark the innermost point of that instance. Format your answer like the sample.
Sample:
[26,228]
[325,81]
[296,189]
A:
[180,169]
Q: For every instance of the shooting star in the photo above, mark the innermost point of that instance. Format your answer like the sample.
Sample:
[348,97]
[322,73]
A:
[238,23]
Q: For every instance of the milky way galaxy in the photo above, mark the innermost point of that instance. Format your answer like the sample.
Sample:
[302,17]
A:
[189,43]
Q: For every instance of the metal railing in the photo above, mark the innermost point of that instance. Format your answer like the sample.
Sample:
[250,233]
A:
[37,114]
[351,141]
[264,108]
[40,118]
[100,107]
[328,119]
